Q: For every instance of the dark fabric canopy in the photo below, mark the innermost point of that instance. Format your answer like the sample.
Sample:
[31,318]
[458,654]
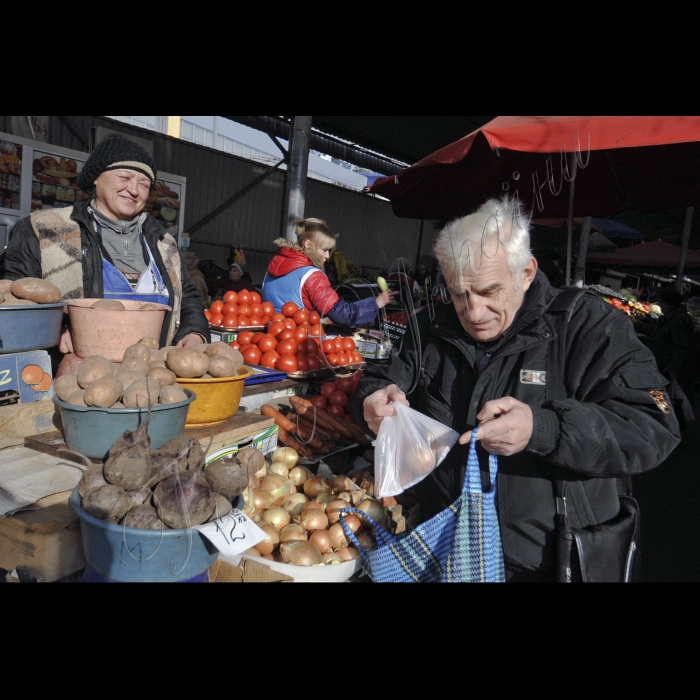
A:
[650,255]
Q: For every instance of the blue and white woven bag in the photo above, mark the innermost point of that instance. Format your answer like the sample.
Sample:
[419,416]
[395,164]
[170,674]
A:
[461,544]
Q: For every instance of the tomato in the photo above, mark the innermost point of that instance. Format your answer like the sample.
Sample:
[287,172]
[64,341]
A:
[256,337]
[346,385]
[336,341]
[230,321]
[231,297]
[302,362]
[328,346]
[265,320]
[255,298]
[316,331]
[335,410]
[286,334]
[300,316]
[256,309]
[289,323]
[267,342]
[289,309]
[320,401]
[235,345]
[328,388]
[252,355]
[333,359]
[230,308]
[243,348]
[338,398]
[313,361]
[255,320]
[286,363]
[244,337]
[216,319]
[268,308]
[216,307]
[207,313]
[274,329]
[276,317]
[244,309]
[347,344]
[269,359]
[343,358]
[314,318]
[300,335]
[243,321]
[244,297]
[287,347]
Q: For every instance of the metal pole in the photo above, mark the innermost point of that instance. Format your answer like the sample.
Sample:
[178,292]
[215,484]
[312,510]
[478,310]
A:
[684,248]
[580,273]
[295,186]
[420,241]
[570,238]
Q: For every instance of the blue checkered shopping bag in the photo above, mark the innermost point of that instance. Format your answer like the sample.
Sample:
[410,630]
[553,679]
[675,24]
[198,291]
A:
[461,544]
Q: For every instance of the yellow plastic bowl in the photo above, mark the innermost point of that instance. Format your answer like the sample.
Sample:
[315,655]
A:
[217,399]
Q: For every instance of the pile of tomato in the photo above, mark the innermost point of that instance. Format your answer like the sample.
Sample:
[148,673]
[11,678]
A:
[293,343]
[240,309]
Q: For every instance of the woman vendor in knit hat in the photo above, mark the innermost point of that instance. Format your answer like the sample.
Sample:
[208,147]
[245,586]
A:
[106,246]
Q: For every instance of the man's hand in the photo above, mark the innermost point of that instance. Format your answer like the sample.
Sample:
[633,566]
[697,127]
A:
[65,344]
[377,406]
[505,426]
[190,339]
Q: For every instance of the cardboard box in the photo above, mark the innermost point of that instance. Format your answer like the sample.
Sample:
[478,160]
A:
[373,345]
[25,377]
[21,421]
[265,441]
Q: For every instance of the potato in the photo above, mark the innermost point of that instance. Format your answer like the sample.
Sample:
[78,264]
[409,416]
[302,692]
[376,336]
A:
[103,392]
[154,364]
[11,300]
[36,290]
[141,393]
[91,371]
[5,286]
[222,366]
[151,343]
[171,394]
[187,362]
[65,385]
[127,376]
[218,347]
[155,355]
[135,364]
[76,398]
[149,306]
[110,304]
[137,350]
[163,376]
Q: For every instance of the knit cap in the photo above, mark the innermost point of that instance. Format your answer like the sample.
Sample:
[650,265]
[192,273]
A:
[113,153]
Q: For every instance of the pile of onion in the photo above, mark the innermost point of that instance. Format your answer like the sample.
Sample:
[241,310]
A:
[300,511]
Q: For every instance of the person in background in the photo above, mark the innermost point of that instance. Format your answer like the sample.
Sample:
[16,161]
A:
[200,283]
[420,274]
[398,272]
[296,273]
[478,364]
[549,264]
[238,279]
[107,246]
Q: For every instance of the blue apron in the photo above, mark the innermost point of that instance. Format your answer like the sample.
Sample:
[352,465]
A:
[116,286]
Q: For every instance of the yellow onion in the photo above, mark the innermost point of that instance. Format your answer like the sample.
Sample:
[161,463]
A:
[322,539]
[326,497]
[310,505]
[338,539]
[366,540]
[292,533]
[252,459]
[287,455]
[348,553]
[317,485]
[294,503]
[267,546]
[313,519]
[353,522]
[345,495]
[331,558]
[278,487]
[278,468]
[419,460]
[373,508]
[252,552]
[298,475]
[279,517]
[342,483]
[301,553]
[333,509]
[262,499]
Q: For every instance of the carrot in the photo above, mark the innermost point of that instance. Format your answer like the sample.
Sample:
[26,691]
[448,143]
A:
[282,421]
[323,433]
[284,438]
[323,418]
[306,434]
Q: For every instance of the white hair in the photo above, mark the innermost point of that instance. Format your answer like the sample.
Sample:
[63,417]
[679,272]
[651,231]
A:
[464,242]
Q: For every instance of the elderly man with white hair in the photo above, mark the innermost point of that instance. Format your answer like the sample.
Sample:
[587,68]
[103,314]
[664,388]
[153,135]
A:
[554,381]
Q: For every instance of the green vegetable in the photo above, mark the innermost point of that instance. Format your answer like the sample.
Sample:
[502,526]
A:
[382,284]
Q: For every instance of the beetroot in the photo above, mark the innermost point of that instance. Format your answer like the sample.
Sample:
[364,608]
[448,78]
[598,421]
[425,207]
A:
[183,500]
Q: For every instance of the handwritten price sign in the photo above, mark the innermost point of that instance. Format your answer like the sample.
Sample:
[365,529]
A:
[233,533]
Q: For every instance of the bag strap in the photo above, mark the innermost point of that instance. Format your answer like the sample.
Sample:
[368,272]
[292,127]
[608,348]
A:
[382,536]
[472,478]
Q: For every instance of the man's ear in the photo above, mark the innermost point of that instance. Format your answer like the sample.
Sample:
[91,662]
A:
[528,274]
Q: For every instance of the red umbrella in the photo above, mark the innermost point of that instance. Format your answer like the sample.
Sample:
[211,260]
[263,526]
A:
[650,162]
[650,255]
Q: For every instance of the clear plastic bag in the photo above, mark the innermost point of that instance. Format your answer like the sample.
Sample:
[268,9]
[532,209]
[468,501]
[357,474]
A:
[409,446]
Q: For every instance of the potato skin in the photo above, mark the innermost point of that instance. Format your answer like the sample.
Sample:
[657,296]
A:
[65,385]
[88,372]
[172,394]
[222,366]
[187,363]
[142,392]
[36,290]
[103,392]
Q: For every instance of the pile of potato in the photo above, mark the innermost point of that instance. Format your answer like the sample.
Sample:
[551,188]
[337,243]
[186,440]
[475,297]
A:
[146,375]
[168,488]
[28,291]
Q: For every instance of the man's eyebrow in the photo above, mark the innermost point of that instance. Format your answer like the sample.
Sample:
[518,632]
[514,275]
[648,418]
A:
[495,287]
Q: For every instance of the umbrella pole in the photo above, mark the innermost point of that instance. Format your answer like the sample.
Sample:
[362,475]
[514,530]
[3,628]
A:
[684,247]
[580,274]
[570,239]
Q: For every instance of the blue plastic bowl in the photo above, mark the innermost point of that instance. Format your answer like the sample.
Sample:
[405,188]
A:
[132,555]
[91,431]
[32,327]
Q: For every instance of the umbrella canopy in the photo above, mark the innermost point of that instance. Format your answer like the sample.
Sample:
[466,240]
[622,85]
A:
[650,255]
[596,241]
[649,162]
[612,229]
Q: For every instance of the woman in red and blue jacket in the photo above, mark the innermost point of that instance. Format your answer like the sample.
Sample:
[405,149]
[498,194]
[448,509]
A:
[297,274]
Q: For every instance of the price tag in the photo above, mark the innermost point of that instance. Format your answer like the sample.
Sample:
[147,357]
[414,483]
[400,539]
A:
[232,533]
